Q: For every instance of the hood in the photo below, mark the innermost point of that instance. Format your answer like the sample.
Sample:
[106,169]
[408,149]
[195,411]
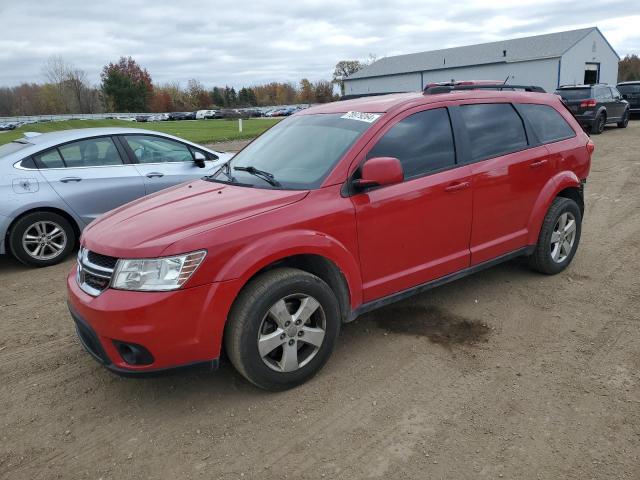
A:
[146,227]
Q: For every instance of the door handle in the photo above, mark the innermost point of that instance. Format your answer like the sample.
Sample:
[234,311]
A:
[539,163]
[155,174]
[70,179]
[454,187]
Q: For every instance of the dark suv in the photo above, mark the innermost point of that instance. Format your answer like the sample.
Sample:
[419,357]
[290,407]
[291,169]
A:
[595,106]
[631,93]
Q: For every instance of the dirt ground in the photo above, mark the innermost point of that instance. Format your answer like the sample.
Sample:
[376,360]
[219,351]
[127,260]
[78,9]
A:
[505,374]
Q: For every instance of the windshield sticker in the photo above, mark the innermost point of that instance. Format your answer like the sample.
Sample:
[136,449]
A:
[362,117]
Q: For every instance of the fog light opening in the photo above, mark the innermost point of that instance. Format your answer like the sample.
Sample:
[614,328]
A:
[133,354]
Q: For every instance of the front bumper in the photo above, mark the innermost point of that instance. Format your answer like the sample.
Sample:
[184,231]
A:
[179,328]
[4,226]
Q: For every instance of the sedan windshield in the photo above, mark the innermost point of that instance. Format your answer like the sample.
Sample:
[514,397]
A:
[297,154]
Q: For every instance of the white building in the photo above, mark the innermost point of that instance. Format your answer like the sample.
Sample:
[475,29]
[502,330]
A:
[551,60]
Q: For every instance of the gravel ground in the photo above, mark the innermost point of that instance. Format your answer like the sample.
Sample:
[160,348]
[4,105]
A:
[505,374]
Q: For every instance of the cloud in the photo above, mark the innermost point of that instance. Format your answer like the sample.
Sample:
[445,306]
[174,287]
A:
[250,42]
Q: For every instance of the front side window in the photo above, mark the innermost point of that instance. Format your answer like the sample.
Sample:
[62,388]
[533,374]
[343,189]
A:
[547,123]
[494,129]
[423,142]
[298,153]
[94,152]
[150,149]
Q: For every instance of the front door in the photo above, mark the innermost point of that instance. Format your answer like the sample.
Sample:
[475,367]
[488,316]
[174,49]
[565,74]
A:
[90,176]
[164,162]
[418,230]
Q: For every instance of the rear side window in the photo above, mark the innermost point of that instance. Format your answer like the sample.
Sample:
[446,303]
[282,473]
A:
[423,142]
[95,152]
[494,129]
[630,88]
[49,159]
[547,123]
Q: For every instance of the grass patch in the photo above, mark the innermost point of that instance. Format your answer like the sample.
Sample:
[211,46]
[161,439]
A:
[199,131]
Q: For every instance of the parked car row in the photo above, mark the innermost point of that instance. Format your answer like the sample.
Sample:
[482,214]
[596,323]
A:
[598,105]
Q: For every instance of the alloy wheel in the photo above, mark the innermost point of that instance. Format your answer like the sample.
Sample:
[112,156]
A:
[563,237]
[44,240]
[291,333]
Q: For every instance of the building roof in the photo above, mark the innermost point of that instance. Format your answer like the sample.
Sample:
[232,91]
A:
[550,45]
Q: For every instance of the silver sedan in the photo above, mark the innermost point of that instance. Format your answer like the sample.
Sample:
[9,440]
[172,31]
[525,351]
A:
[54,184]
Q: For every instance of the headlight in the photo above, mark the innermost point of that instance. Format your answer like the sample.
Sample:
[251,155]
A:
[156,274]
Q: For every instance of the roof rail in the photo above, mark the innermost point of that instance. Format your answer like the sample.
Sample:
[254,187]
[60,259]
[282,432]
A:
[497,86]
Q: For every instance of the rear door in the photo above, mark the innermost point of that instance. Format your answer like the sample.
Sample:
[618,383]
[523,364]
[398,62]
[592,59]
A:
[509,171]
[418,230]
[90,176]
[164,162]
[605,97]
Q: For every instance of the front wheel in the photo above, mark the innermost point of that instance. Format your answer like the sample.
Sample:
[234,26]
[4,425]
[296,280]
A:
[41,239]
[559,237]
[282,328]
[625,120]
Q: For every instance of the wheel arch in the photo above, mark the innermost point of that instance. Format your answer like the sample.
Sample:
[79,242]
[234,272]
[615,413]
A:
[66,215]
[310,251]
[564,184]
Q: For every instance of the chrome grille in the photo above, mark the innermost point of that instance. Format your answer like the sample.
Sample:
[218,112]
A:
[94,271]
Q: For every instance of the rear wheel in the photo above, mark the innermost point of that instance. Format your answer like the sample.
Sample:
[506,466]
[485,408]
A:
[559,237]
[599,123]
[41,239]
[625,120]
[282,328]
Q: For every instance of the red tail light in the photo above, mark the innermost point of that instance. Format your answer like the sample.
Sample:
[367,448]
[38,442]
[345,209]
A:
[590,147]
[588,103]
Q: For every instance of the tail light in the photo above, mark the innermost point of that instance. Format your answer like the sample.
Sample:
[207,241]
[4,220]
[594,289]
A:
[588,103]
[590,146]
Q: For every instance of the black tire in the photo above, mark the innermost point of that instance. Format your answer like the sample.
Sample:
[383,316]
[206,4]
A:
[26,223]
[541,260]
[599,124]
[246,320]
[625,120]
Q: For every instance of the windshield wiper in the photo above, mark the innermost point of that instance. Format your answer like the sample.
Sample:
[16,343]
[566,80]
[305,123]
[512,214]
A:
[266,176]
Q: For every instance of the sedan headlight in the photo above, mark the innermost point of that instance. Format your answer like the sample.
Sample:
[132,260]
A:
[156,274]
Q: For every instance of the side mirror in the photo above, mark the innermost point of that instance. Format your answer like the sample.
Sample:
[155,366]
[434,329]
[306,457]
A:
[199,159]
[379,171]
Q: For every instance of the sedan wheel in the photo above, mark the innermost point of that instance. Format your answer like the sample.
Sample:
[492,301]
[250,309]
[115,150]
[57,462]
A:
[44,240]
[41,239]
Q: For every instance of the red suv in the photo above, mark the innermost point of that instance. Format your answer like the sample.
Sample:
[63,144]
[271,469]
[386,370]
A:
[335,211]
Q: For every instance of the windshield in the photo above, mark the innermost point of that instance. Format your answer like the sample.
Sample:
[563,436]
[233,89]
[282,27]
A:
[12,147]
[631,88]
[574,93]
[298,153]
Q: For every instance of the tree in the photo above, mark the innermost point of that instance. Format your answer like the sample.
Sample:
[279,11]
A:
[629,68]
[127,85]
[75,94]
[216,97]
[323,90]
[345,68]
[307,92]
[198,96]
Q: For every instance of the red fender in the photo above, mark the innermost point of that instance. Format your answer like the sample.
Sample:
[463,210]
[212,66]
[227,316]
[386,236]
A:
[555,185]
[243,265]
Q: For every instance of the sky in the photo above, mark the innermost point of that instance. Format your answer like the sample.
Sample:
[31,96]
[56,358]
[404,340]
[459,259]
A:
[247,42]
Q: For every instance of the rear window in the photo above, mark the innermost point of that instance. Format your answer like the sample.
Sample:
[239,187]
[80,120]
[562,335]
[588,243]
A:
[494,129]
[12,147]
[547,123]
[574,93]
[626,89]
